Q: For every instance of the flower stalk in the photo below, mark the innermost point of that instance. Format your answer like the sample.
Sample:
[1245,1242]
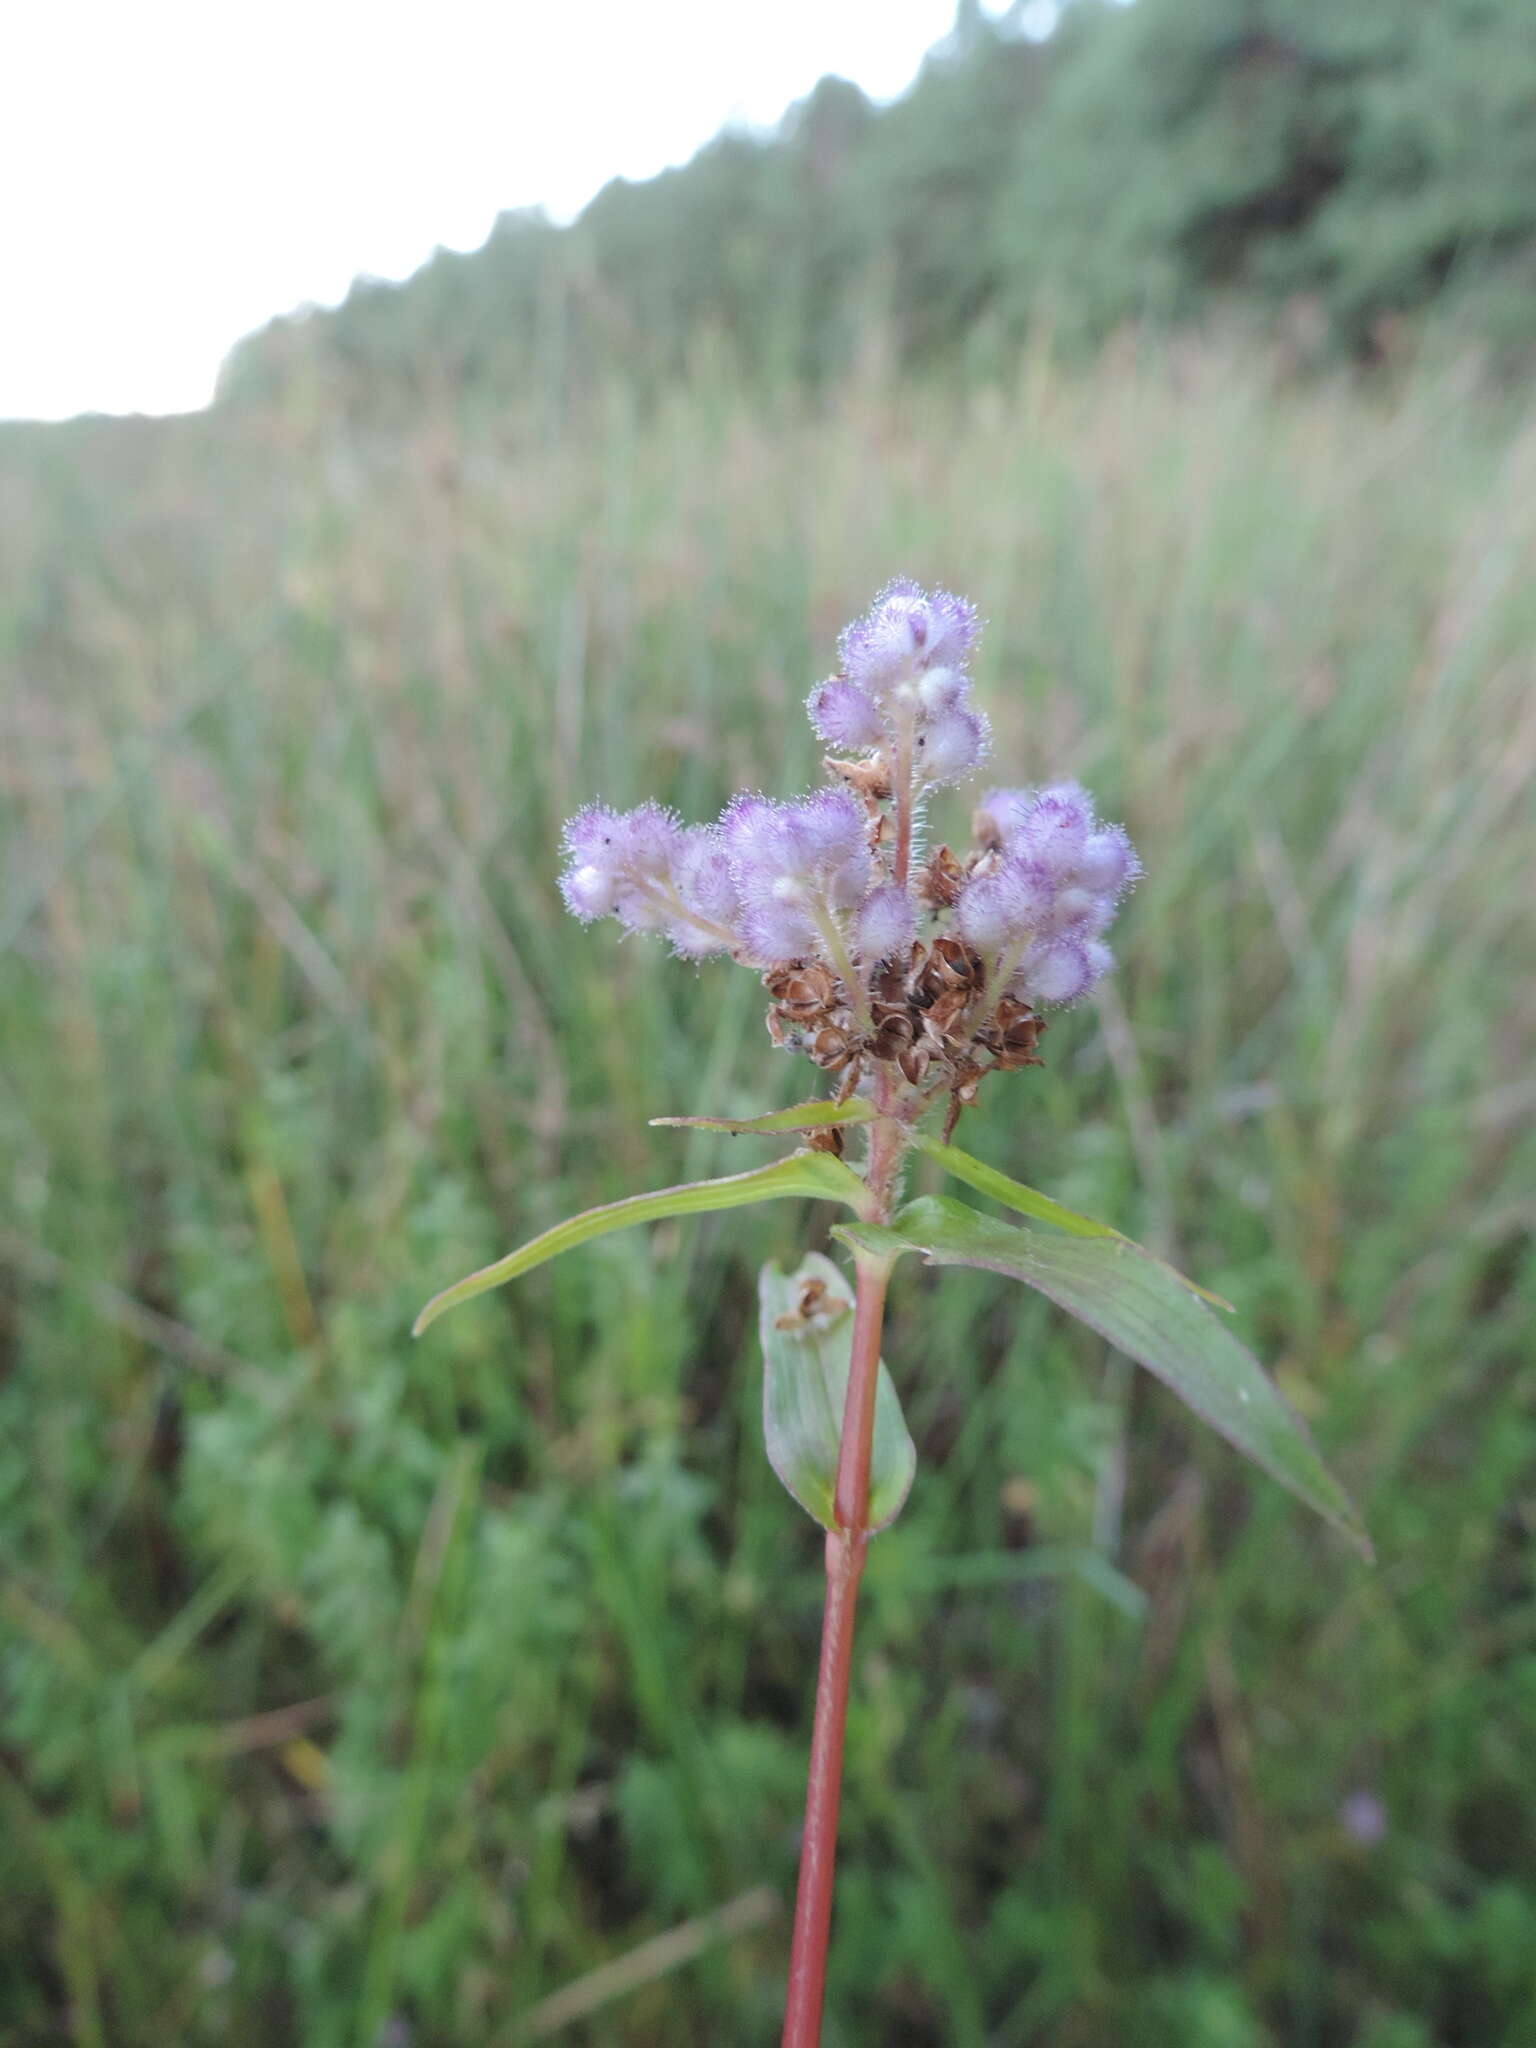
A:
[907,976]
[846,1547]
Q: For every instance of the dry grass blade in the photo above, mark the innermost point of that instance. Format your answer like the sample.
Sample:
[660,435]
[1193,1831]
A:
[643,1965]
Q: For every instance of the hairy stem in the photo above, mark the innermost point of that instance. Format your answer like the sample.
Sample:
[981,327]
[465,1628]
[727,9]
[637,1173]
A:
[818,1851]
[846,1546]
[845,1550]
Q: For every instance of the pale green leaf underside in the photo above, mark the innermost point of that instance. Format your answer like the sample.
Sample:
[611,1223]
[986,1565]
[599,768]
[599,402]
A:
[1138,1306]
[805,1382]
[1013,1194]
[816,1175]
[802,1116]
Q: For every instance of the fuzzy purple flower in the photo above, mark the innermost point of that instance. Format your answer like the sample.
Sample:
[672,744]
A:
[834,896]
[1001,908]
[706,889]
[845,715]
[1054,828]
[906,630]
[951,746]
[887,924]
[995,819]
[1047,887]
[795,867]
[1059,970]
[942,689]
[643,868]
[619,862]
[832,829]
[904,694]
[1108,861]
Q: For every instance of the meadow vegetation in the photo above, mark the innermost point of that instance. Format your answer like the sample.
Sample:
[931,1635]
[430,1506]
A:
[360,1691]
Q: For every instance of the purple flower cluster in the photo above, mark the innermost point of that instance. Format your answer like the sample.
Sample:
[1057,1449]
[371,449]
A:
[903,686]
[799,869]
[875,952]
[654,874]
[1044,891]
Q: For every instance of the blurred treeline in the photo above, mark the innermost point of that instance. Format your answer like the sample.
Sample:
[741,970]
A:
[1342,168]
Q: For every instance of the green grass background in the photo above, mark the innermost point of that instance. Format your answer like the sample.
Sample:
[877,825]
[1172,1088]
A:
[356,1691]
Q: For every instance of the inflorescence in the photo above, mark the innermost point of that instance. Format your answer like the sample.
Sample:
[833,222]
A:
[929,970]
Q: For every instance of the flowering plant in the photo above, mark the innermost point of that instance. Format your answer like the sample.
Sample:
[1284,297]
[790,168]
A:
[907,975]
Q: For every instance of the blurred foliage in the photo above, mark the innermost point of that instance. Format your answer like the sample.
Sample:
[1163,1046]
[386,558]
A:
[356,1691]
[1339,167]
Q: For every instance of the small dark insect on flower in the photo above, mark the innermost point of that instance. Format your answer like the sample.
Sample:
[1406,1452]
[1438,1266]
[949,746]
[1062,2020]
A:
[935,968]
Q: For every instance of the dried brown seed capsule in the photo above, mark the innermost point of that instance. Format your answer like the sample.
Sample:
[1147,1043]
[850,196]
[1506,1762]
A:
[952,956]
[1016,1034]
[849,1082]
[832,1047]
[804,991]
[869,779]
[890,987]
[941,880]
[915,1062]
[962,1095]
[893,1035]
[946,1011]
[950,965]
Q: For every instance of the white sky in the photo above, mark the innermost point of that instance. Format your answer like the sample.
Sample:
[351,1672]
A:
[175,172]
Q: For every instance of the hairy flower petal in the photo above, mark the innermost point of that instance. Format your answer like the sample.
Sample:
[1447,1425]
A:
[1055,827]
[1002,908]
[1108,861]
[996,817]
[954,628]
[906,631]
[794,865]
[772,930]
[620,863]
[845,715]
[588,891]
[1056,971]
[707,890]
[952,746]
[887,923]
[941,689]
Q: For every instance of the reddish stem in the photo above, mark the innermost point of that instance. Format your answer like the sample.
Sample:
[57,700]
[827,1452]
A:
[845,1550]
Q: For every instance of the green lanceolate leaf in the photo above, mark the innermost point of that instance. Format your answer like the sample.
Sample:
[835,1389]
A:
[1013,1194]
[1138,1305]
[804,1116]
[806,1319]
[816,1175]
